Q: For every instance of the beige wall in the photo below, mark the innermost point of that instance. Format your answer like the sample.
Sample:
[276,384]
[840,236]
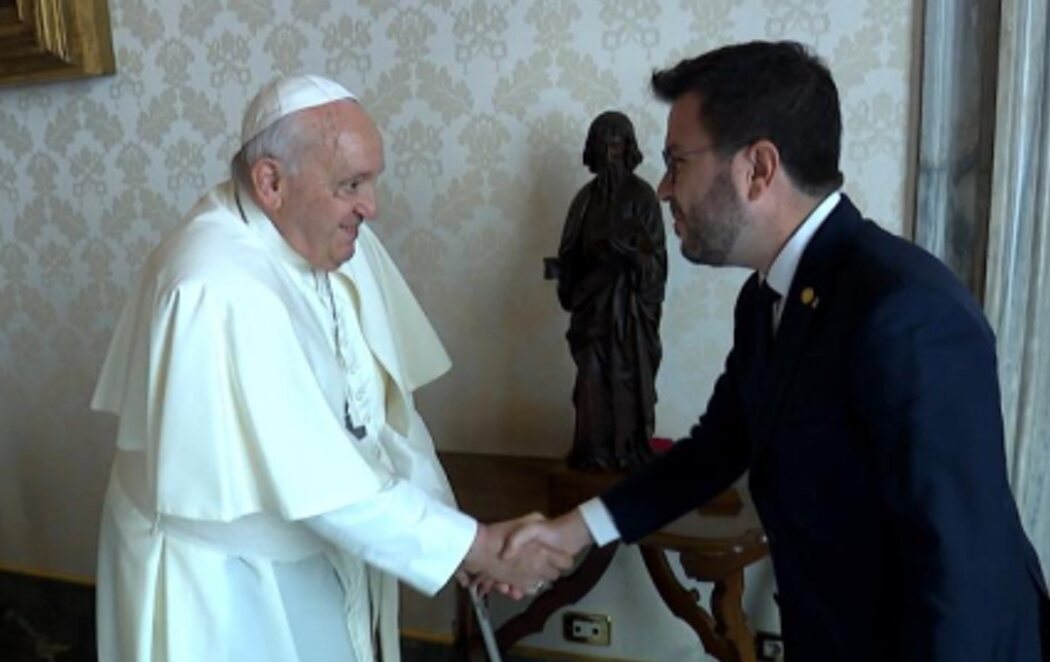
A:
[484,106]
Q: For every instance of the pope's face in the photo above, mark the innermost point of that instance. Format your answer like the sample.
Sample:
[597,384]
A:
[333,190]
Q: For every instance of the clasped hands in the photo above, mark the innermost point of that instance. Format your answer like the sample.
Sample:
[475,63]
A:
[518,557]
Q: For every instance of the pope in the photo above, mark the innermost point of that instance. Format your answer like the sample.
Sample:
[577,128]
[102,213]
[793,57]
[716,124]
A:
[273,479]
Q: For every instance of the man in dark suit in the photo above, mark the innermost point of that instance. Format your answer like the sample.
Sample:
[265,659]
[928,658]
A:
[861,390]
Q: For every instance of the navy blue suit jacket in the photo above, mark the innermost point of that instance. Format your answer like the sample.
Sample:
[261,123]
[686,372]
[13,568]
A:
[874,441]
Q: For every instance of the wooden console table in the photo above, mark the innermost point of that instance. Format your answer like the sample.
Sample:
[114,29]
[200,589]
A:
[715,544]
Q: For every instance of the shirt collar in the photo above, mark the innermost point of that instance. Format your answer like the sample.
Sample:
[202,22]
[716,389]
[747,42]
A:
[782,272]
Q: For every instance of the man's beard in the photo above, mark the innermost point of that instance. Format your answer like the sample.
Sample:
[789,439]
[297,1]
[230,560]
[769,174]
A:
[712,227]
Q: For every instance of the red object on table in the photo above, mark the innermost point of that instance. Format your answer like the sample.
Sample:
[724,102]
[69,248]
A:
[661,444]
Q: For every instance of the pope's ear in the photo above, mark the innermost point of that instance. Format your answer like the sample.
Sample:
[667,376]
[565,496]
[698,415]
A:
[268,183]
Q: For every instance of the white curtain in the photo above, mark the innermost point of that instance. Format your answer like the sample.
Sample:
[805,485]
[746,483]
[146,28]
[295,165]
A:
[1017,277]
[956,129]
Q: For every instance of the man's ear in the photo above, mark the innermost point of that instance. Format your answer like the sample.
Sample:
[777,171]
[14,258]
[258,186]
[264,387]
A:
[268,183]
[763,163]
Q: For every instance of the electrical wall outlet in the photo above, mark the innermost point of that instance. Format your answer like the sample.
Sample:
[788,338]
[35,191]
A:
[593,629]
[769,647]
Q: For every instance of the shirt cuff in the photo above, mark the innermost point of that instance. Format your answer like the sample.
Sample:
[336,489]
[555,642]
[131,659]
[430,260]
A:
[599,522]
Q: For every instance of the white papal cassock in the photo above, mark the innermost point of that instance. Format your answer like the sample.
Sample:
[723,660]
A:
[242,521]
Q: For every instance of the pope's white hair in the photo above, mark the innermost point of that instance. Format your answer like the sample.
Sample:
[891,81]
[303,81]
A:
[285,140]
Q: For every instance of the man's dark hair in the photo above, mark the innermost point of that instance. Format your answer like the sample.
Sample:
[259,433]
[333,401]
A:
[776,91]
[616,125]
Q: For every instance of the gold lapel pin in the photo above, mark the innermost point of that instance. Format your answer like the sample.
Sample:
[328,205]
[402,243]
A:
[809,297]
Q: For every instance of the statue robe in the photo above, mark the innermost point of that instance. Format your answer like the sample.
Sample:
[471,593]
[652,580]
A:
[613,269]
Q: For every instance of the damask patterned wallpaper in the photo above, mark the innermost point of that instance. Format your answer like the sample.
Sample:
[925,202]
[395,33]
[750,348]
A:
[484,105]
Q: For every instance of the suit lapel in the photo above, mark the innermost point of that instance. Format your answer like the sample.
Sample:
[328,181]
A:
[806,301]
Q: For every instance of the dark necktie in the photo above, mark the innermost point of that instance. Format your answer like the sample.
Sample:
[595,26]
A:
[764,302]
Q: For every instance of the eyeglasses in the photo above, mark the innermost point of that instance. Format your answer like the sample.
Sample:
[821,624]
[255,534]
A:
[673,159]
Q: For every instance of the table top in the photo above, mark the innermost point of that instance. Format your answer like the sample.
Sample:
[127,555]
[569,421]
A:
[498,487]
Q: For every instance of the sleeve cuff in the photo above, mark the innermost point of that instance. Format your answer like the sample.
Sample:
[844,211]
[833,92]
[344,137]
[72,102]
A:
[599,522]
[447,535]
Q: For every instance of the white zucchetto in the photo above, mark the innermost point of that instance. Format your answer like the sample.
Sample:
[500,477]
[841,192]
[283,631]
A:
[284,96]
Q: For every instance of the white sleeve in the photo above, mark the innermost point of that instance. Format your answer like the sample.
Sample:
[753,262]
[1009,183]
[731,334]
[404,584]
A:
[599,522]
[402,531]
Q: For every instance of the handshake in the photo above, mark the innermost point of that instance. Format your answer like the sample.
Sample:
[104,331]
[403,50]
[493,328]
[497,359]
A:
[518,557]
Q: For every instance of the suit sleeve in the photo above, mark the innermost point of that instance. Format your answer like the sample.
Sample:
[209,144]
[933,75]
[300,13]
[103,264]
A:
[928,392]
[697,468]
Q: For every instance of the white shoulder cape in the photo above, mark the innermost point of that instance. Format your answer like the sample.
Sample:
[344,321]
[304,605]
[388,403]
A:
[221,378]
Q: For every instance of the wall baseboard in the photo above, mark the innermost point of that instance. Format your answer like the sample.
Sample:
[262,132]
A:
[518,653]
[48,575]
[28,614]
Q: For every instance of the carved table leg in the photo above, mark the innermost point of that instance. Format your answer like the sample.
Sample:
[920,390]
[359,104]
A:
[567,590]
[684,604]
[729,615]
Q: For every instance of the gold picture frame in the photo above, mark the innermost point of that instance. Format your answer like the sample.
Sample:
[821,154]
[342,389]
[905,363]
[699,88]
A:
[43,40]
